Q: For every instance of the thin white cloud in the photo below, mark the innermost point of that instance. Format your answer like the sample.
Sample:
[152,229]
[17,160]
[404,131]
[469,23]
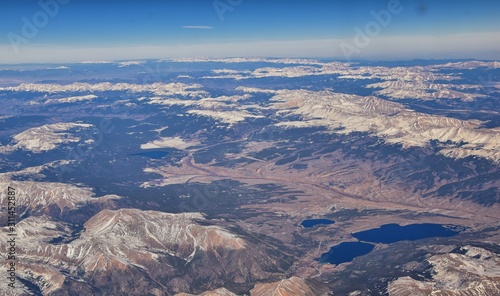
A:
[198,27]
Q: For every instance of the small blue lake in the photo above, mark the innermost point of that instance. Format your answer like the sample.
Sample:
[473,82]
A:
[391,233]
[313,222]
[345,252]
[153,154]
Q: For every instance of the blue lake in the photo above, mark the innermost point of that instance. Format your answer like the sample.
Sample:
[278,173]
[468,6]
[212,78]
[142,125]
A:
[313,222]
[345,252]
[387,234]
[153,154]
[391,233]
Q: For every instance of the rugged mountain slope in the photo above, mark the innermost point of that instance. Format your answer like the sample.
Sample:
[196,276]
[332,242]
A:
[293,286]
[56,200]
[47,137]
[163,253]
[218,292]
[346,113]
[475,272]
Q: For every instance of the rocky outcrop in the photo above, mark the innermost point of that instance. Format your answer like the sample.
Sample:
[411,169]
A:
[474,272]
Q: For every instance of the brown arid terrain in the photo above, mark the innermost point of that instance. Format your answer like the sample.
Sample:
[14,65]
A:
[151,246]
[381,201]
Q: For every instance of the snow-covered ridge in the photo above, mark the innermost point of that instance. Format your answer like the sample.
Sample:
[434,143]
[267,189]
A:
[230,117]
[46,137]
[160,89]
[72,99]
[423,83]
[403,89]
[228,109]
[130,63]
[43,197]
[388,120]
[468,65]
[242,60]
[289,72]
[246,89]
[414,82]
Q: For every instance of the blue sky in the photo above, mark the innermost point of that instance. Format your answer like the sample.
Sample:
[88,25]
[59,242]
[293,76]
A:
[126,29]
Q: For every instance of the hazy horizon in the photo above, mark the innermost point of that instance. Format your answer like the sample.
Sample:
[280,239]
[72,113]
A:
[61,31]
